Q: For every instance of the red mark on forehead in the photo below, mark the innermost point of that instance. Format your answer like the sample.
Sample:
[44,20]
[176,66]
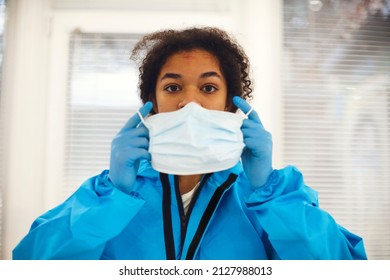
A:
[189,55]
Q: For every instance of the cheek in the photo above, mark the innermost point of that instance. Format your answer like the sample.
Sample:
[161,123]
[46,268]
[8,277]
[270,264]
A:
[161,101]
[165,103]
[223,102]
[219,103]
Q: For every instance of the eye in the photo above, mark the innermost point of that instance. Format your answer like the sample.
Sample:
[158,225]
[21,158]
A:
[209,88]
[172,88]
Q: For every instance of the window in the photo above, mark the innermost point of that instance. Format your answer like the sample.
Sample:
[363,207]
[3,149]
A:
[102,95]
[336,90]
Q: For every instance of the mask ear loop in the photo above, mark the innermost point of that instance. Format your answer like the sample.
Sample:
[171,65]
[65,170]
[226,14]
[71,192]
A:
[249,112]
[142,120]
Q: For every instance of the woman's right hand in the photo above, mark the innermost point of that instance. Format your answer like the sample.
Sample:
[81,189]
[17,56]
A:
[129,146]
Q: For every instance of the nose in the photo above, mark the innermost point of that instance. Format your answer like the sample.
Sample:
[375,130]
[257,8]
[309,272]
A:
[190,95]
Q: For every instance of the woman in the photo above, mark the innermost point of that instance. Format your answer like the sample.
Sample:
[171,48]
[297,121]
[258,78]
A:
[188,177]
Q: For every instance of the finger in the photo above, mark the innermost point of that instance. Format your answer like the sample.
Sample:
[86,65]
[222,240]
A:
[260,138]
[138,142]
[129,156]
[245,108]
[248,123]
[135,119]
[141,131]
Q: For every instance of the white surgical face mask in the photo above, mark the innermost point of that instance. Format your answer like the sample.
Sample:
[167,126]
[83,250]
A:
[194,140]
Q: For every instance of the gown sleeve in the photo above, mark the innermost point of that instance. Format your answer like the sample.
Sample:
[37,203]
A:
[80,226]
[295,226]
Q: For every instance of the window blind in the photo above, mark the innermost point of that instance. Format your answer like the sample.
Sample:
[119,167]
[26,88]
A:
[102,95]
[335,95]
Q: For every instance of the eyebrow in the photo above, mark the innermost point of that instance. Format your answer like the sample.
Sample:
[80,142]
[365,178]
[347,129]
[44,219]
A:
[178,76]
[170,76]
[210,74]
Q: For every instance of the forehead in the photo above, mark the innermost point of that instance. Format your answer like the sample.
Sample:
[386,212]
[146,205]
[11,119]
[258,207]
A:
[195,57]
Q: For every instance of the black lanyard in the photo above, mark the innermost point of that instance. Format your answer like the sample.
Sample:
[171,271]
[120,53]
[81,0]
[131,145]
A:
[206,217]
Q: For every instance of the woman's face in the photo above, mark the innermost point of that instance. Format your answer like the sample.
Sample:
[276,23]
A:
[191,76]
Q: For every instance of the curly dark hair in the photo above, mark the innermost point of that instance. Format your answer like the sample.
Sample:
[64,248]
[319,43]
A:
[153,50]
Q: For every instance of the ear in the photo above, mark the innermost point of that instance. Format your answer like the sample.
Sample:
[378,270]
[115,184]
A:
[230,107]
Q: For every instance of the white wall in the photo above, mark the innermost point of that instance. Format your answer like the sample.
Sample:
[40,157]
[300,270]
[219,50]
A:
[23,110]
[32,96]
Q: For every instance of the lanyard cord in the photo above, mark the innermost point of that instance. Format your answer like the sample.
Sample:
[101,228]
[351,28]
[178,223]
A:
[167,218]
[206,217]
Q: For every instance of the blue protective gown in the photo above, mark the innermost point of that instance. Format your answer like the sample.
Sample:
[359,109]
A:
[226,220]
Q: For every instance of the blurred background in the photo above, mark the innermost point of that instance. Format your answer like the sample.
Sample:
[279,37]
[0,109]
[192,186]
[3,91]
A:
[321,71]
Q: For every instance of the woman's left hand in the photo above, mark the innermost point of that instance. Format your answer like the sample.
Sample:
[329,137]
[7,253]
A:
[257,154]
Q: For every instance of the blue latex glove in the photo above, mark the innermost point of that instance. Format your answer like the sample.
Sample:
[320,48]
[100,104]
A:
[257,154]
[130,145]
